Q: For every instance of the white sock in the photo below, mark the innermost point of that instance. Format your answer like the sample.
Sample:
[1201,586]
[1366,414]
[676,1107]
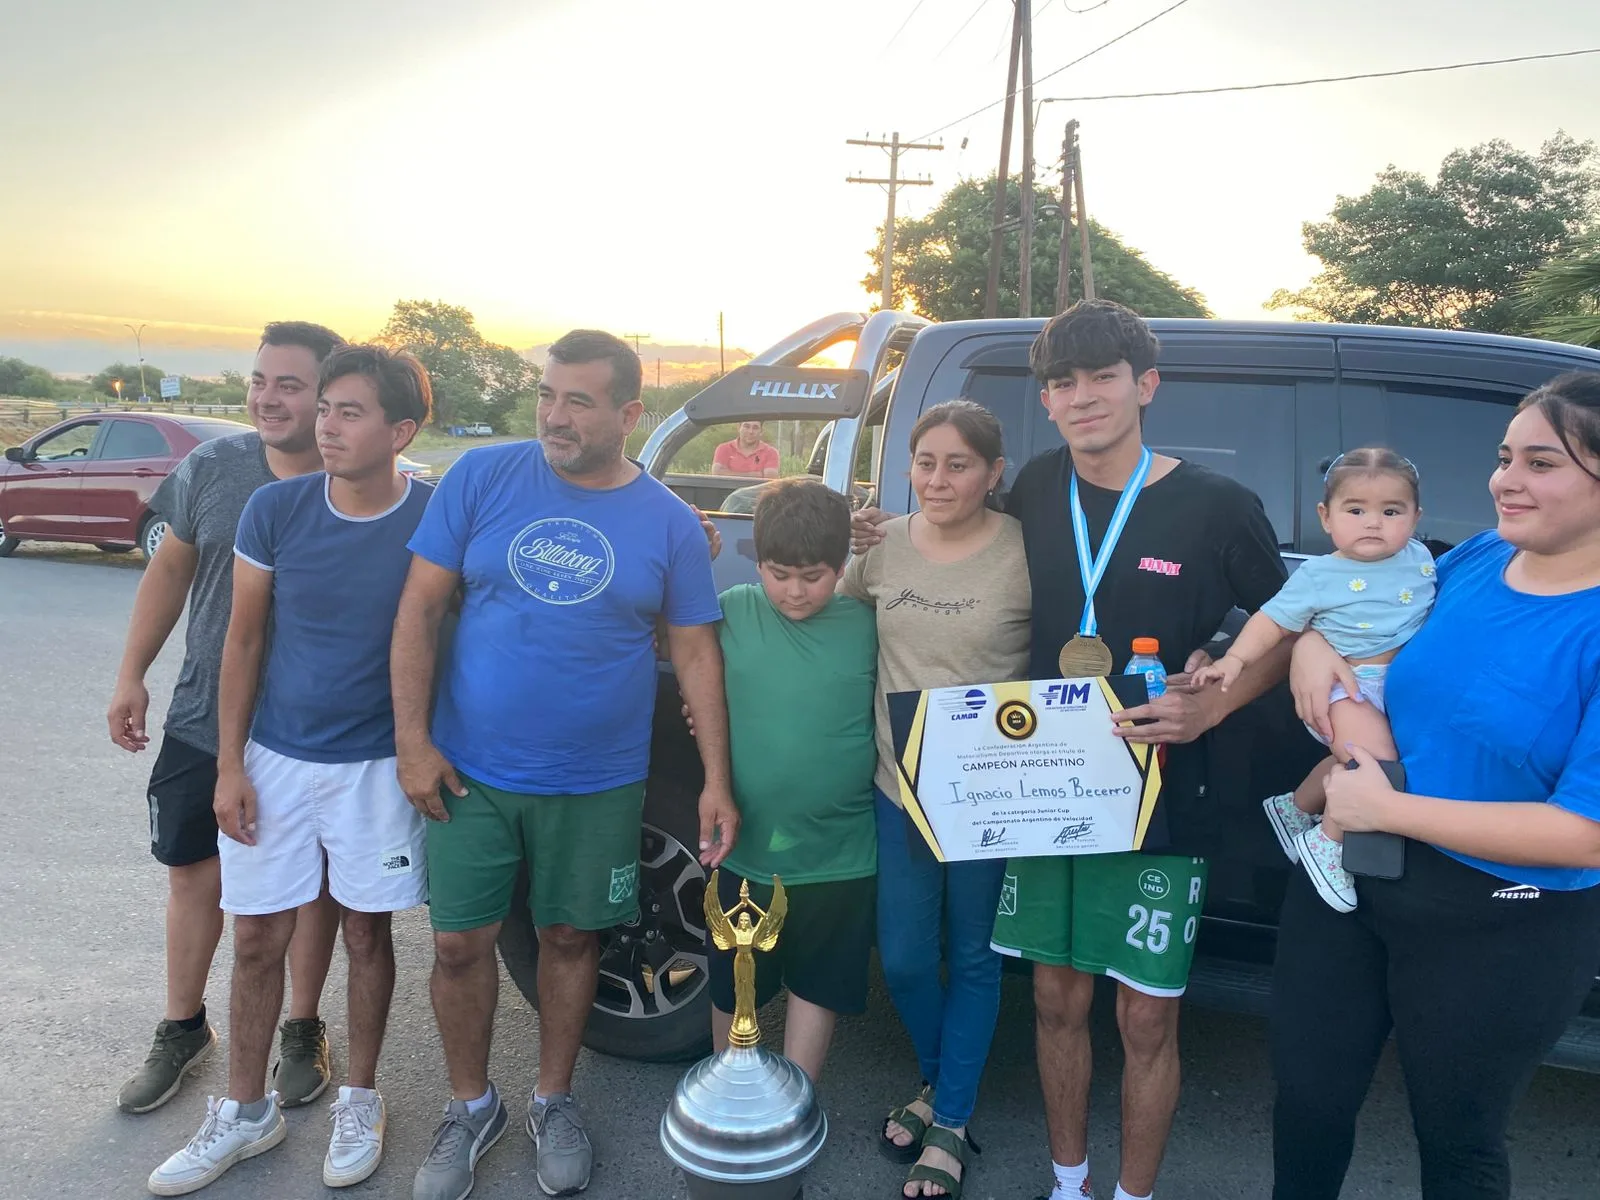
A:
[1122,1195]
[355,1095]
[1070,1181]
[481,1103]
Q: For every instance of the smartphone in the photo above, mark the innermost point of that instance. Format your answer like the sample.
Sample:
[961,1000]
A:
[1375,854]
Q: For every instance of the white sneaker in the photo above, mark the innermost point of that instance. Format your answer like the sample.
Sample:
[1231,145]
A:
[357,1141]
[1288,822]
[1323,860]
[224,1139]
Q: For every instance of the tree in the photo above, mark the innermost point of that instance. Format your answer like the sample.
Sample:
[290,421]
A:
[1562,298]
[473,379]
[941,261]
[18,378]
[129,374]
[1450,253]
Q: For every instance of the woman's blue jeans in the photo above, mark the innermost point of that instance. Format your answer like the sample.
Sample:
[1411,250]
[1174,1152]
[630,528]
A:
[932,913]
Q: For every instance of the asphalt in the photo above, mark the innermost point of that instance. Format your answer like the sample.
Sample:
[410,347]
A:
[81,944]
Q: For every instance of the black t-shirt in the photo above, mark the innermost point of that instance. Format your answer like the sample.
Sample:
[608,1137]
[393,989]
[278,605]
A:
[1196,546]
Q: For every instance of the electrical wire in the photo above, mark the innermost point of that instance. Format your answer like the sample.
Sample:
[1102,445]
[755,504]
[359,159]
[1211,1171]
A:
[981,5]
[903,25]
[1051,75]
[1289,83]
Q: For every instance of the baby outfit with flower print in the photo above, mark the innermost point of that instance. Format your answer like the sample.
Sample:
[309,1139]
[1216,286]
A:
[1363,609]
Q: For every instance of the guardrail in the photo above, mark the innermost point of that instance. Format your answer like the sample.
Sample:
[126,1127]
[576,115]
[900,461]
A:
[19,410]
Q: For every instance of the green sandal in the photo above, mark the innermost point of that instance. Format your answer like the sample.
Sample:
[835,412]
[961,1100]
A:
[959,1147]
[912,1124]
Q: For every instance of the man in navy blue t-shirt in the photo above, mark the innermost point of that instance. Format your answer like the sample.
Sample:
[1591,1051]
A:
[566,553]
[306,776]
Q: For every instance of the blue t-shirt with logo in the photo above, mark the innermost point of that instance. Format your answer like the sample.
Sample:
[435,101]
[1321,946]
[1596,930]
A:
[550,687]
[1497,697]
[336,584]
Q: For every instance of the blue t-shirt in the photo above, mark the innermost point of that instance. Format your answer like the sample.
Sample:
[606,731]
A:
[1496,699]
[336,583]
[1364,609]
[550,688]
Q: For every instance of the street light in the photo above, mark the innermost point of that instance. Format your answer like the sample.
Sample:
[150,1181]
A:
[116,386]
[138,345]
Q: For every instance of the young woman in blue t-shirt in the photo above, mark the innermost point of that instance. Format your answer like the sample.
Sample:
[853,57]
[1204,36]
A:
[1482,952]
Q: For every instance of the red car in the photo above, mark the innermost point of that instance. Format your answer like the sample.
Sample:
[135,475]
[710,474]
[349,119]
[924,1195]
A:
[90,478]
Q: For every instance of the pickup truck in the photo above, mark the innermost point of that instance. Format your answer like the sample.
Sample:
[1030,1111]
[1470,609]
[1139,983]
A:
[1266,403]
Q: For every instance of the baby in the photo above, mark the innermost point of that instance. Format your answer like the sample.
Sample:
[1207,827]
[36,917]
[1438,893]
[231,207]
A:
[1368,598]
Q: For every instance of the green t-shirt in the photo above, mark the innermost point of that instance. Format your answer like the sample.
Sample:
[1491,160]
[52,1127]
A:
[801,732]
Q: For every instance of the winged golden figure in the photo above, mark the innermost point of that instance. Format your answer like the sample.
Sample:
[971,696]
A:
[735,930]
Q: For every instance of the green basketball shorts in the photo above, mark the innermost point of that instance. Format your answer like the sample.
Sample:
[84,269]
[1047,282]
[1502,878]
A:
[1131,916]
[582,854]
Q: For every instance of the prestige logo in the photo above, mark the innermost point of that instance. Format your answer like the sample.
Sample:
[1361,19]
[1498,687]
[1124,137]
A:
[560,560]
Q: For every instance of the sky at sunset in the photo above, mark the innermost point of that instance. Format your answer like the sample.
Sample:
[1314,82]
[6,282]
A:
[205,168]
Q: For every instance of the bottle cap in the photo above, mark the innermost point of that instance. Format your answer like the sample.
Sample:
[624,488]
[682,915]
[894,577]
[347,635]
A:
[1146,646]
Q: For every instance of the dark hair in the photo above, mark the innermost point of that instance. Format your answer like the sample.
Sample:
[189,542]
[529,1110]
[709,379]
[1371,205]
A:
[1571,403]
[318,339]
[591,345]
[1090,335]
[402,384]
[979,428]
[801,522]
[1364,463]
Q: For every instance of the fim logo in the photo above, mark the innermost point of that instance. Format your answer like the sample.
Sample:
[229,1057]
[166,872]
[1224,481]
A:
[1067,695]
[1155,884]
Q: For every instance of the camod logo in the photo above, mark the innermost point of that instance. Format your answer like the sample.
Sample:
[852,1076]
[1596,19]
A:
[1154,884]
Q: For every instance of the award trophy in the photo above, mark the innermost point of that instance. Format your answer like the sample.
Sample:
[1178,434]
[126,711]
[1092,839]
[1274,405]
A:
[744,1124]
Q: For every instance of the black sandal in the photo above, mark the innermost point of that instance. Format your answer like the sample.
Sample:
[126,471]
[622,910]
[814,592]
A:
[958,1146]
[912,1124]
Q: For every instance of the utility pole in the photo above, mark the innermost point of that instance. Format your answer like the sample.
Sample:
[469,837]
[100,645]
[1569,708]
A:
[1025,276]
[658,373]
[892,185]
[1083,217]
[138,344]
[1064,257]
[722,360]
[635,339]
[997,233]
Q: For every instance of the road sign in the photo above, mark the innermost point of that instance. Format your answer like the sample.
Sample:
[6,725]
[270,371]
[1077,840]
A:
[171,386]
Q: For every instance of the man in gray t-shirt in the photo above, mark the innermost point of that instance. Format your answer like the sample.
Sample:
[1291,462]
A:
[202,500]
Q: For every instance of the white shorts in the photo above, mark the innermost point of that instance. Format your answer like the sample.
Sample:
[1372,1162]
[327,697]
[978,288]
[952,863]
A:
[1371,677]
[355,813]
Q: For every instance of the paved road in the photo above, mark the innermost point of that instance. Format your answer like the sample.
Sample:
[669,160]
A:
[81,943]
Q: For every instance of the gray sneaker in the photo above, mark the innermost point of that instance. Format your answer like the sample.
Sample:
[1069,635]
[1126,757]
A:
[173,1055]
[459,1142]
[304,1065]
[565,1157]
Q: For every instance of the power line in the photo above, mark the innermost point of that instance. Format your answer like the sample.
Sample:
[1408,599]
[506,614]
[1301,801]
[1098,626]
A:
[1257,87]
[1087,54]
[903,25]
[981,5]
[1078,12]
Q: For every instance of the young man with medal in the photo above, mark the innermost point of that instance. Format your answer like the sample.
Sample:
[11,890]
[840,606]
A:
[1124,543]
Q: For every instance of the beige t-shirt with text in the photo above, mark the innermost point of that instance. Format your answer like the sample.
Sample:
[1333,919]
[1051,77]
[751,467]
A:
[942,624]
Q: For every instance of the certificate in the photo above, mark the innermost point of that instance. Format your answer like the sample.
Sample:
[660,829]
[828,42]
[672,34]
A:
[1015,770]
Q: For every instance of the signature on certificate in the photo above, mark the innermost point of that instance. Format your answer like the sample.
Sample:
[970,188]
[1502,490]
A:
[1074,832]
[992,837]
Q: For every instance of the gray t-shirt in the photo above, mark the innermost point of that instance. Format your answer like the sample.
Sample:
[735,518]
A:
[942,624]
[202,500]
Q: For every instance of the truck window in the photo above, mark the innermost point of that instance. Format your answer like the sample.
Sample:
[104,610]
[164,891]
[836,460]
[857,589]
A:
[1450,433]
[1013,397]
[1241,428]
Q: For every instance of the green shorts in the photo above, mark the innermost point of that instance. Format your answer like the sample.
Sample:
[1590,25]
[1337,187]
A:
[582,854]
[1131,916]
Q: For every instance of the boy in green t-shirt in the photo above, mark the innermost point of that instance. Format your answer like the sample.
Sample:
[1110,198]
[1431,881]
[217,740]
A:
[800,665]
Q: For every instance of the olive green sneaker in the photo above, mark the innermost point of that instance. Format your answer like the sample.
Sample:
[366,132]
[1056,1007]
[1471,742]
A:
[175,1053]
[304,1066]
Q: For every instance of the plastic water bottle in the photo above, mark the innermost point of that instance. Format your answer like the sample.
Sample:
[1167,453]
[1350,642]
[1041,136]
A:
[1145,662]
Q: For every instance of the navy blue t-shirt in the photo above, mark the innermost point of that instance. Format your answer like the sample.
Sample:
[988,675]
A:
[551,685]
[1498,698]
[336,583]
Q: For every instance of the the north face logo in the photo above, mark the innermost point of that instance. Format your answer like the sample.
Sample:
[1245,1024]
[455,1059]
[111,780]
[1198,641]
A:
[1160,566]
[395,862]
[398,862]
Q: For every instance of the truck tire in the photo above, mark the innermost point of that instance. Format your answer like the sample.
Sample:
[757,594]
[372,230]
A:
[7,543]
[654,1000]
[151,530]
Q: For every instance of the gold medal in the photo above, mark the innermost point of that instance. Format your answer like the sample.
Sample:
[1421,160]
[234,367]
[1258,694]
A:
[1085,658]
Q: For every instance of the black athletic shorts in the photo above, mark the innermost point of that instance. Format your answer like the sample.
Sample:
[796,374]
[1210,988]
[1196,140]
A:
[183,788]
[822,950]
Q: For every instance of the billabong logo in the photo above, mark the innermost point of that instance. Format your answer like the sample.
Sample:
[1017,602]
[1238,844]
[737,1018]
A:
[1008,897]
[561,560]
[1522,891]
[624,881]
[787,389]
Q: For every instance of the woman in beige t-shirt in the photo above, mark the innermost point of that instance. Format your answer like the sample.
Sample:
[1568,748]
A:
[950,585]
